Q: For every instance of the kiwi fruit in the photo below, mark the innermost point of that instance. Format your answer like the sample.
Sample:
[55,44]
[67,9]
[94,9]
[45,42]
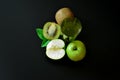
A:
[51,30]
[62,14]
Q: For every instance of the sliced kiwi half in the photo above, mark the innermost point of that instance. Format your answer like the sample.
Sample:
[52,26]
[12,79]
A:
[51,30]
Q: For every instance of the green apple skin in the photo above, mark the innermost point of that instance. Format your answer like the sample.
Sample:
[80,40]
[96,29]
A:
[76,50]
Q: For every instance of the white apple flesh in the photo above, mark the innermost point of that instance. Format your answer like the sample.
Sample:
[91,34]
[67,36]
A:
[54,49]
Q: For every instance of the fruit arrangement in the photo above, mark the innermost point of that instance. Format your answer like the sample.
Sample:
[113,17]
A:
[59,37]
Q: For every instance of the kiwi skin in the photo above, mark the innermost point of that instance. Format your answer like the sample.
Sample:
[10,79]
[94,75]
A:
[55,30]
[62,14]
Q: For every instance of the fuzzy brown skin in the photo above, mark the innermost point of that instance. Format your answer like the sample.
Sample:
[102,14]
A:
[62,14]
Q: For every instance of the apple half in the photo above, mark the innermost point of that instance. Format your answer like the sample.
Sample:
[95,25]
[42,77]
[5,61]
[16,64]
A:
[54,49]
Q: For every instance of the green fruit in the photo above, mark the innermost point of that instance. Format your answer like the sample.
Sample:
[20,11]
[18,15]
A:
[54,49]
[71,28]
[62,14]
[76,50]
[51,30]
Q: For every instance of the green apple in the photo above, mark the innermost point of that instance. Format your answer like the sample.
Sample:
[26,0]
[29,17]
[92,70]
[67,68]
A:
[54,49]
[76,50]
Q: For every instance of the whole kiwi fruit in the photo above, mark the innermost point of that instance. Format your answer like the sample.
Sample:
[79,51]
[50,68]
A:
[51,30]
[62,14]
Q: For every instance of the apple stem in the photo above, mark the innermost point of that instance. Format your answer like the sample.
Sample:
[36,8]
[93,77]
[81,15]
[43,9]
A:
[75,48]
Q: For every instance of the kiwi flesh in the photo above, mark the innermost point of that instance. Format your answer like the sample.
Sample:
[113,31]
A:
[51,30]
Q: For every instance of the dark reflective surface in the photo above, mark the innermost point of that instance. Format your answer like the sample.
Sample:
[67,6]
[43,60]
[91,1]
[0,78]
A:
[22,58]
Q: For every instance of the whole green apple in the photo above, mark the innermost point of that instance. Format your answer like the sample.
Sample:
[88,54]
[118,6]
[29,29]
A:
[76,50]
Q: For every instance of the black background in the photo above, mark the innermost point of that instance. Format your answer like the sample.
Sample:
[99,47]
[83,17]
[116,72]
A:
[22,58]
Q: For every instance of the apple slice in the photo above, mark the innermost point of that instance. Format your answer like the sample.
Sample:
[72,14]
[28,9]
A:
[54,49]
